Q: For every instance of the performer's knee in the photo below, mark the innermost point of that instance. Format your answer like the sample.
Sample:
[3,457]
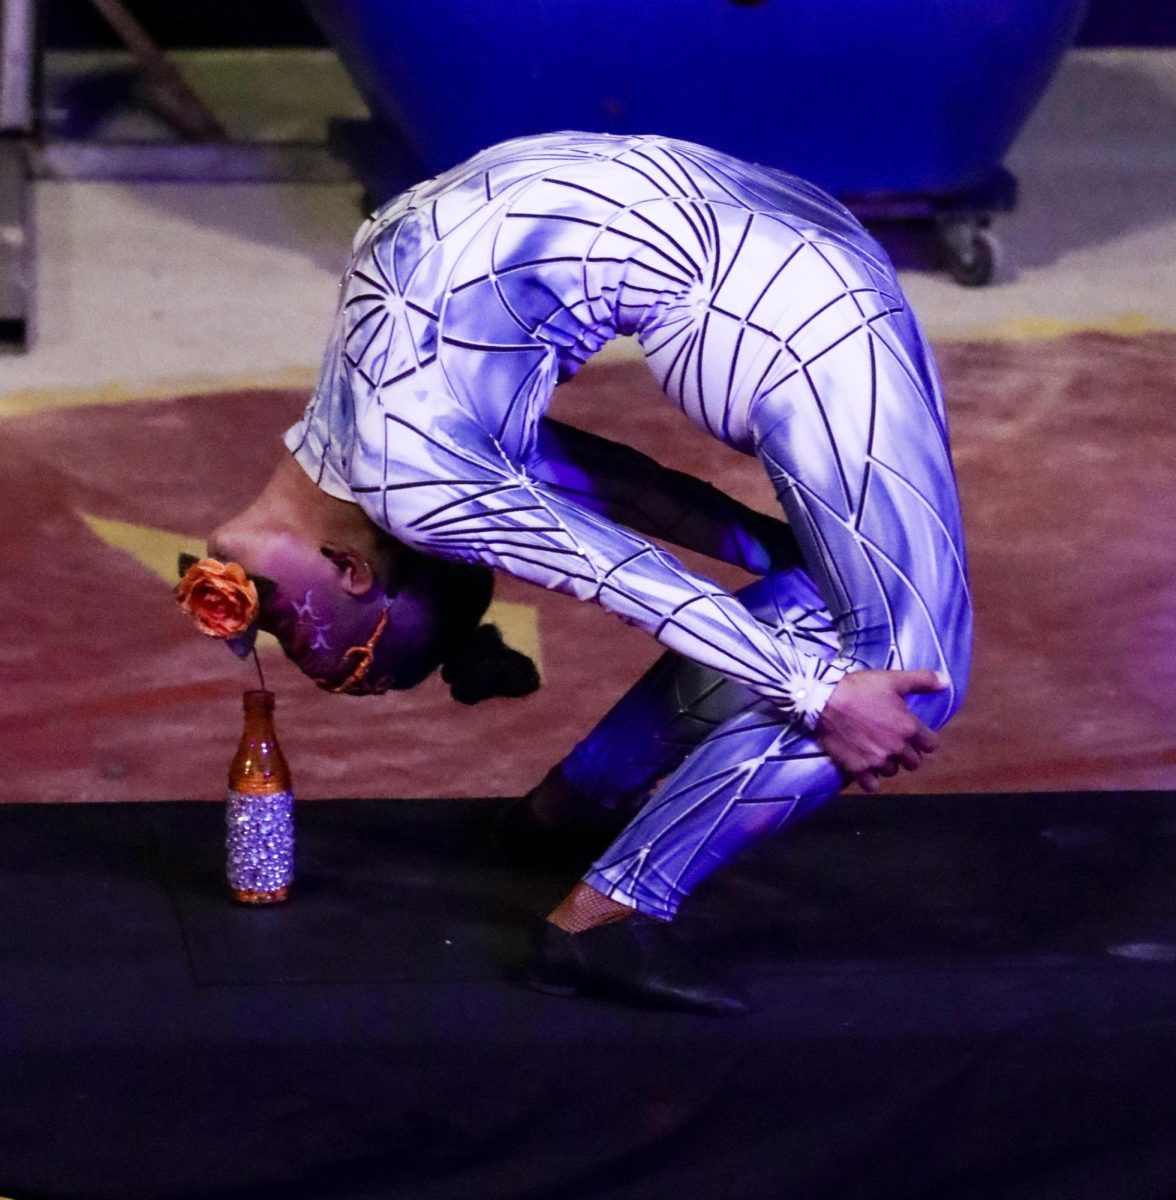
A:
[937,708]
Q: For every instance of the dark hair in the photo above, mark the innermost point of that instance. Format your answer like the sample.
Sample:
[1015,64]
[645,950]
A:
[481,666]
[476,663]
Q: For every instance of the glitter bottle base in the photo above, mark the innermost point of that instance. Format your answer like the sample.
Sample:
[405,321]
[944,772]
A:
[260,846]
[247,896]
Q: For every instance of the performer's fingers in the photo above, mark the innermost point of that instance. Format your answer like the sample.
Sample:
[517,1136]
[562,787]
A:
[868,781]
[889,767]
[919,681]
[923,739]
[910,758]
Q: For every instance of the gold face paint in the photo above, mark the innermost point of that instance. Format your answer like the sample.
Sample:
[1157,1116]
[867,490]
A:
[364,653]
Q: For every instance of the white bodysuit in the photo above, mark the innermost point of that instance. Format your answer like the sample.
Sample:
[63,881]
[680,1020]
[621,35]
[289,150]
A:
[770,317]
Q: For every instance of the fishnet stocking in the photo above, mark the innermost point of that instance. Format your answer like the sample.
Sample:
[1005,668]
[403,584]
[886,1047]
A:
[586,908]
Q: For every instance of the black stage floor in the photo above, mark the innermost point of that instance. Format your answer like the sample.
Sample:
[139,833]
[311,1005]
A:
[960,998]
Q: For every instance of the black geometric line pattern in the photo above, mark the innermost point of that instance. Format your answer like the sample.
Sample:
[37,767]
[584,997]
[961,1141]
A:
[770,318]
[729,769]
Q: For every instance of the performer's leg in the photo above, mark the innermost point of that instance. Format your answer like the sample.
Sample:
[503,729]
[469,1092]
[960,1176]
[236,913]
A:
[748,776]
[645,735]
[744,774]
[745,780]
[744,777]
[666,714]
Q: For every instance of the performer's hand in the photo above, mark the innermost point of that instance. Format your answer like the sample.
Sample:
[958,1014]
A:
[867,729]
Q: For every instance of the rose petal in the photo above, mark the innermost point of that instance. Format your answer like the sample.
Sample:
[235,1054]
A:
[220,597]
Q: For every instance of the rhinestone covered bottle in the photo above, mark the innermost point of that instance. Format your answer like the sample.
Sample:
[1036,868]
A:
[260,810]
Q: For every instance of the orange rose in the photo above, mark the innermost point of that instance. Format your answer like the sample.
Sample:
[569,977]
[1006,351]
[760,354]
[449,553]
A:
[219,596]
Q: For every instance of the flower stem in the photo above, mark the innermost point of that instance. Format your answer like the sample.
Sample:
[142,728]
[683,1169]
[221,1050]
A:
[260,672]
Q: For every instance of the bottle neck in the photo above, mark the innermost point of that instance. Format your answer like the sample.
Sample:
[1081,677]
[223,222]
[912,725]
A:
[259,767]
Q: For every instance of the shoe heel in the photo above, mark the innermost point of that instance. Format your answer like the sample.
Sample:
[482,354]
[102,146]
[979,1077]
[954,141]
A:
[550,989]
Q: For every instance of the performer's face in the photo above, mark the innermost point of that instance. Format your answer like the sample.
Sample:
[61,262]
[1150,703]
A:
[327,603]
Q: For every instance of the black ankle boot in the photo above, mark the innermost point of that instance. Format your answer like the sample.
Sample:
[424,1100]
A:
[638,960]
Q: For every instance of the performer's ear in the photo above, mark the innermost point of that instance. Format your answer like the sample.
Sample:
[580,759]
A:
[356,576]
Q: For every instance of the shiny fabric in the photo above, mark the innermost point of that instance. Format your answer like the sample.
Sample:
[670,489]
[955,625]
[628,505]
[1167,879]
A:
[734,771]
[773,321]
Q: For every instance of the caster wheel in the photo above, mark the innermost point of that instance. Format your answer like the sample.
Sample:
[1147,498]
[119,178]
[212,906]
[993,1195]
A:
[969,253]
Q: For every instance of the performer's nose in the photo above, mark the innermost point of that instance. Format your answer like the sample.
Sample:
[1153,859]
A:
[223,545]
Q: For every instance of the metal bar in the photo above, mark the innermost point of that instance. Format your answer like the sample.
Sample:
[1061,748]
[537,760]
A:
[174,99]
[18,28]
[15,251]
[205,162]
[996,193]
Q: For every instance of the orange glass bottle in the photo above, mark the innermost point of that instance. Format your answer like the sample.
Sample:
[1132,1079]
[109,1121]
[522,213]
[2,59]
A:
[260,810]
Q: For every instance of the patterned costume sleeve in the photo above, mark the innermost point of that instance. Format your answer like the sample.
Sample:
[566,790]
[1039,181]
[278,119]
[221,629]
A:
[854,439]
[448,487]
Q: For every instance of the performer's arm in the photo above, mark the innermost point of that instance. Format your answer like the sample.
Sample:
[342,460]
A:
[632,489]
[448,488]
[867,485]
[869,493]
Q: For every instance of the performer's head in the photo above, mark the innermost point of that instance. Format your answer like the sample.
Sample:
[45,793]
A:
[355,609]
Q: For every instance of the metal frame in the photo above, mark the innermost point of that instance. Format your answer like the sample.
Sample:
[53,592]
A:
[18,73]
[18,120]
[188,162]
[25,155]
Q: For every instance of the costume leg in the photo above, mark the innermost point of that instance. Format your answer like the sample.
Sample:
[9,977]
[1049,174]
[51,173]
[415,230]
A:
[648,733]
[745,780]
[748,774]
[677,703]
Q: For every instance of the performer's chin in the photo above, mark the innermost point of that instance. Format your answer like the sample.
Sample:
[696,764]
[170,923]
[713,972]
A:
[400,650]
[375,687]
[389,671]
